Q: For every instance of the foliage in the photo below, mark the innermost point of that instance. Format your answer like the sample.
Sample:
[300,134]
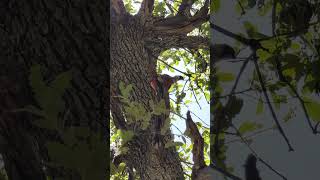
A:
[77,141]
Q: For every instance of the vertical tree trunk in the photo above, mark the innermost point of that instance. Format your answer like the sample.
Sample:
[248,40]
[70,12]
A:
[131,63]
[60,36]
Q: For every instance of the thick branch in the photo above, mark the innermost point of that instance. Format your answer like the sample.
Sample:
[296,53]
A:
[189,42]
[117,8]
[198,145]
[182,24]
[185,7]
[253,43]
[146,8]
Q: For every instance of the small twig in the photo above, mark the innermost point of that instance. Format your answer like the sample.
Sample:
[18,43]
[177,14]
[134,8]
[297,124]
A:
[193,114]
[251,135]
[288,34]
[255,154]
[187,74]
[264,90]
[283,79]
[242,8]
[224,172]
[195,97]
[274,17]
[216,141]
[243,67]
[238,92]
[178,130]
[196,82]
[172,9]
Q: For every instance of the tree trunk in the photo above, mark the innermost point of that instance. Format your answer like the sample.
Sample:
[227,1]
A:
[131,64]
[60,36]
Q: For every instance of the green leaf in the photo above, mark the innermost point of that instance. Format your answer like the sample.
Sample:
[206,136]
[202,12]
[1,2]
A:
[252,31]
[250,28]
[295,46]
[172,143]
[214,6]
[113,169]
[270,44]
[313,108]
[61,82]
[225,77]
[126,135]
[266,8]
[165,127]
[39,87]
[289,115]
[260,104]
[263,55]
[82,131]
[159,108]
[125,90]
[233,107]
[61,154]
[123,149]
[248,126]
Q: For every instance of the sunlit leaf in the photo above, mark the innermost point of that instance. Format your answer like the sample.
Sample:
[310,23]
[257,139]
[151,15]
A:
[260,106]
[249,126]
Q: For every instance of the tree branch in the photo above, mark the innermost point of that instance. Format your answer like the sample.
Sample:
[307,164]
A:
[190,42]
[117,8]
[217,116]
[264,90]
[255,154]
[146,8]
[230,34]
[285,80]
[185,6]
[166,42]
[254,44]
[182,24]
[198,145]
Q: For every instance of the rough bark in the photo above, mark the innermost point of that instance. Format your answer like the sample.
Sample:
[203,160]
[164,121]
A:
[58,35]
[136,43]
[132,64]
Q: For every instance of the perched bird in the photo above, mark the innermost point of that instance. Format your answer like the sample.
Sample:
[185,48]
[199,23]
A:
[162,83]
[167,80]
[251,170]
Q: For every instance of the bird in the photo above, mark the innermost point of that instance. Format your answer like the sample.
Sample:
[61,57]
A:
[162,83]
[221,51]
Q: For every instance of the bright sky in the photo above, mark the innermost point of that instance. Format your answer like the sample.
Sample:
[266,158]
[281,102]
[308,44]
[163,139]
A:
[202,113]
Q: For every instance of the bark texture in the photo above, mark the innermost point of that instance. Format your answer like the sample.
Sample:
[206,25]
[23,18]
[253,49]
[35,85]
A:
[60,36]
[132,64]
